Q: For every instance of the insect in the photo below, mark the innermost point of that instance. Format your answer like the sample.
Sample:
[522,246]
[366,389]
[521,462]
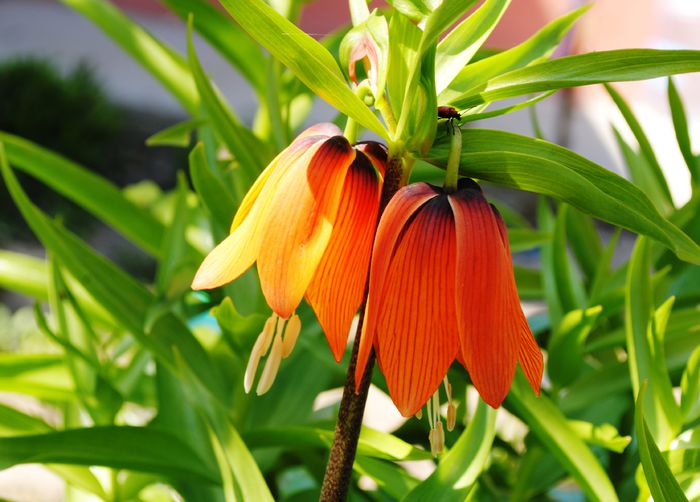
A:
[451,114]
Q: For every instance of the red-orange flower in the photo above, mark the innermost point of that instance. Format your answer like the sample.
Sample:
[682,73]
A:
[442,288]
[308,221]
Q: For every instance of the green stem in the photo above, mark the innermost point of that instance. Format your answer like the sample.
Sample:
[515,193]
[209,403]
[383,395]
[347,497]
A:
[452,171]
[350,131]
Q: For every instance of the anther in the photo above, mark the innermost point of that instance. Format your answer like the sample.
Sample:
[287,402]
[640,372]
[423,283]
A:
[451,416]
[432,438]
[272,366]
[262,345]
[440,436]
[291,333]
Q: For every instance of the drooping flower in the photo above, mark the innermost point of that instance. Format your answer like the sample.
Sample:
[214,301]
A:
[308,222]
[442,288]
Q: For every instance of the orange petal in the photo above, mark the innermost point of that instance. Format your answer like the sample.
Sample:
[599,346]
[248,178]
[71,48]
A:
[279,164]
[376,152]
[338,286]
[416,325]
[399,210]
[488,314]
[299,223]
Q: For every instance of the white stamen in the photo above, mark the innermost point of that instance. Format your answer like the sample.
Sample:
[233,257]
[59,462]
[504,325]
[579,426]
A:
[272,366]
[291,333]
[262,344]
[250,371]
[268,331]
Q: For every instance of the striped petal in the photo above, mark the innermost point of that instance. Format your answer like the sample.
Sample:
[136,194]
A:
[415,326]
[300,221]
[397,213]
[489,317]
[338,286]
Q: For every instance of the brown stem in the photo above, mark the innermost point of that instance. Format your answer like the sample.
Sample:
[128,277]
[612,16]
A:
[352,405]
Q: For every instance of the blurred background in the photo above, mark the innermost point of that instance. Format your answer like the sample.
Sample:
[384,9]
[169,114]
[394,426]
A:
[66,86]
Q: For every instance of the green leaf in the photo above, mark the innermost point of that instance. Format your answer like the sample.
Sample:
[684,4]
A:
[243,145]
[604,435]
[462,465]
[680,125]
[14,422]
[390,478]
[178,135]
[135,448]
[474,114]
[444,16]
[662,484]
[683,461]
[305,57]
[655,172]
[548,423]
[690,388]
[235,45]
[161,61]
[404,39]
[582,69]
[39,375]
[459,46]
[645,345]
[94,193]
[359,11]
[522,239]
[212,192]
[539,46]
[508,159]
[23,274]
[375,31]
[565,349]
[584,242]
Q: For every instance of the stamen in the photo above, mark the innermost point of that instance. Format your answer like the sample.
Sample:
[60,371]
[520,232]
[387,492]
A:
[291,333]
[432,438]
[272,366]
[262,345]
[451,416]
[440,437]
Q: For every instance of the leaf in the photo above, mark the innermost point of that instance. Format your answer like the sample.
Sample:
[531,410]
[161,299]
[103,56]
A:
[359,11]
[444,16]
[161,61]
[584,242]
[550,426]
[135,448]
[655,172]
[92,192]
[178,135]
[231,42]
[14,422]
[23,274]
[468,116]
[645,345]
[540,45]
[462,465]
[390,478]
[459,46]
[522,239]
[565,348]
[604,435]
[404,39]
[243,145]
[582,69]
[212,192]
[680,126]
[520,162]
[662,484]
[40,375]
[690,388]
[305,57]
[374,32]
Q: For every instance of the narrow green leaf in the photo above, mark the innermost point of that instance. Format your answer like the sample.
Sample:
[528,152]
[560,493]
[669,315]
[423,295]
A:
[462,465]
[645,345]
[683,461]
[584,242]
[14,422]
[178,135]
[662,484]
[161,61]
[94,193]
[582,69]
[565,348]
[604,435]
[690,388]
[548,423]
[522,239]
[23,274]
[479,115]
[444,16]
[403,56]
[305,57]
[40,375]
[540,45]
[133,448]
[390,477]
[231,42]
[652,163]
[212,192]
[508,159]
[680,125]
[459,46]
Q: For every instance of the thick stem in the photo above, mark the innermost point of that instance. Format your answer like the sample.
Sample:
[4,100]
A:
[352,405]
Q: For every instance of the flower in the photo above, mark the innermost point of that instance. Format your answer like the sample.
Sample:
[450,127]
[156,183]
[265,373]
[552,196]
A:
[309,222]
[442,288]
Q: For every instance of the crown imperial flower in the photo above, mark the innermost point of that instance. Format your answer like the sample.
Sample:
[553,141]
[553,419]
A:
[308,222]
[442,288]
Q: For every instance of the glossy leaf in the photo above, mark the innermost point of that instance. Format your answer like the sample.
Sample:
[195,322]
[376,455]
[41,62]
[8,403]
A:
[566,345]
[509,159]
[604,435]
[582,69]
[680,126]
[662,484]
[690,388]
[305,57]
[178,135]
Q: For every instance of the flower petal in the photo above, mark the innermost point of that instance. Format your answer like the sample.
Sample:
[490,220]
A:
[416,326]
[337,289]
[489,316]
[399,210]
[299,224]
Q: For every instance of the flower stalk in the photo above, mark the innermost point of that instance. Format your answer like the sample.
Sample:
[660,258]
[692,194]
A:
[452,171]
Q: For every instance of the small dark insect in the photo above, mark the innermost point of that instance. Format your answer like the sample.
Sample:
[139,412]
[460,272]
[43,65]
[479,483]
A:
[448,112]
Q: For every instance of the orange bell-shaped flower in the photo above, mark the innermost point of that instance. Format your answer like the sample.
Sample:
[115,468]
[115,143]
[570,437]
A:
[309,222]
[442,288]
